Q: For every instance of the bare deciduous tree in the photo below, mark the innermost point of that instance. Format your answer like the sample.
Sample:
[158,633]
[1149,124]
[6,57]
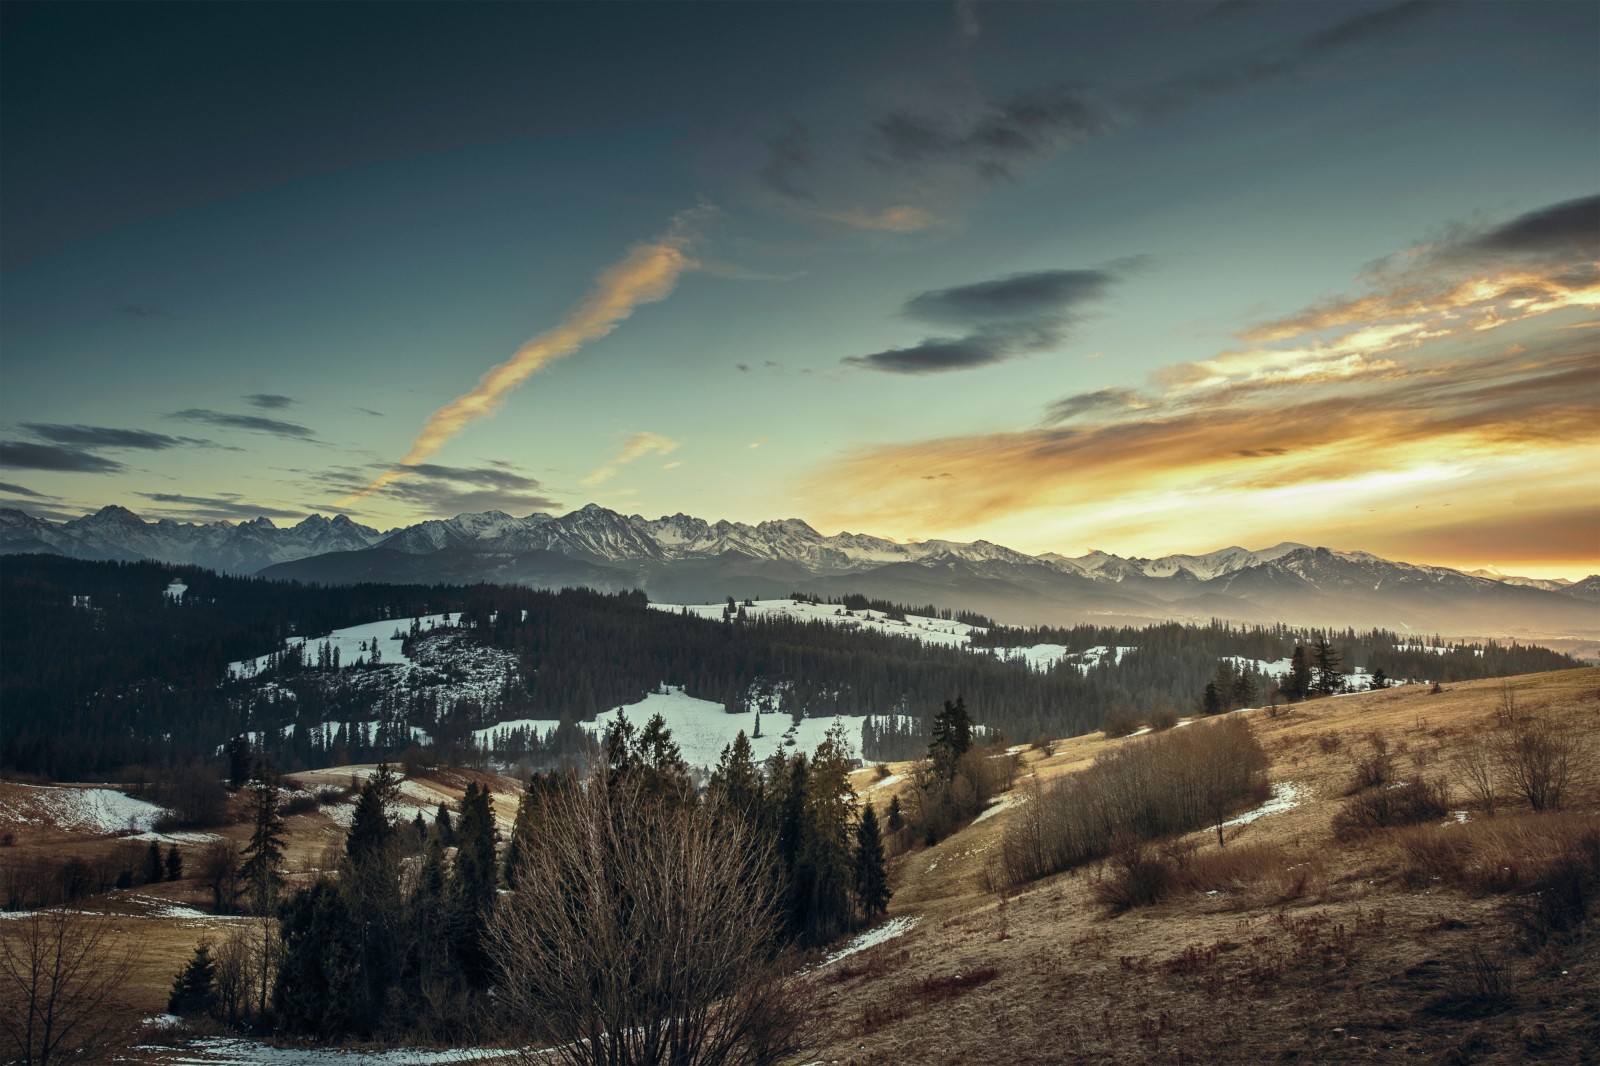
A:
[642,932]
[60,975]
[1539,760]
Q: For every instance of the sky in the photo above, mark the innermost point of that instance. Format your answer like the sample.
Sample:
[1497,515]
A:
[1137,278]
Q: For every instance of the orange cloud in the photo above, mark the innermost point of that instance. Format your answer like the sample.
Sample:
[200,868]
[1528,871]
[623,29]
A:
[648,273]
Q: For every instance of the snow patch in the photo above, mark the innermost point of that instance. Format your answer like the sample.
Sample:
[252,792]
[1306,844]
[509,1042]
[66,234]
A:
[1284,796]
[872,938]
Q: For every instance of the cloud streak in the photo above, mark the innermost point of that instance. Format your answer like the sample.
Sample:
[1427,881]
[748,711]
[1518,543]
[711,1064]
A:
[636,446]
[249,423]
[27,455]
[646,274]
[106,437]
[1007,317]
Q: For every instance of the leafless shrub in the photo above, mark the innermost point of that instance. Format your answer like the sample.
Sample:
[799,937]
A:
[1474,764]
[1540,760]
[1168,783]
[1381,808]
[61,975]
[641,932]
[1328,743]
[1119,721]
[1162,720]
[1374,769]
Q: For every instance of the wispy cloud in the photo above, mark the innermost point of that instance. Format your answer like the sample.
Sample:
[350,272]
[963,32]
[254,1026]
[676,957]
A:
[637,446]
[27,455]
[271,401]
[250,423]
[107,437]
[212,508]
[439,491]
[20,490]
[991,138]
[648,273]
[1007,317]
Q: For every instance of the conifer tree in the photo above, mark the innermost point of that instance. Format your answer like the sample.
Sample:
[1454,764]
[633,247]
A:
[871,872]
[1297,685]
[193,989]
[897,821]
[530,808]
[154,869]
[263,854]
[735,785]
[474,884]
[952,736]
[174,864]
[665,776]
[1210,702]
[370,883]
[1328,679]
[442,827]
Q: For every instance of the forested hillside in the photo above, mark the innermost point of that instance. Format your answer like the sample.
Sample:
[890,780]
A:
[104,668]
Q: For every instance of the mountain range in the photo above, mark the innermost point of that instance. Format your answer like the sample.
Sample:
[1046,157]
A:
[680,558]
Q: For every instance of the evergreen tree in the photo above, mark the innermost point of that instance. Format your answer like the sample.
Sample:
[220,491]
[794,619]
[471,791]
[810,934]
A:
[825,867]
[419,831]
[154,869]
[735,785]
[442,828]
[1297,684]
[238,763]
[1328,678]
[952,736]
[193,990]
[897,821]
[319,977]
[263,855]
[474,885]
[174,864]
[1379,678]
[1245,690]
[664,774]
[530,809]
[370,886]
[871,871]
[1210,702]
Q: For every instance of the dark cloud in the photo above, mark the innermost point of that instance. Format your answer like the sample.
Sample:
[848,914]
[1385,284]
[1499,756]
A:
[26,455]
[1019,296]
[1285,60]
[370,411]
[935,356]
[18,490]
[253,423]
[142,312]
[994,138]
[1572,226]
[1100,400]
[105,437]
[269,400]
[483,476]
[213,507]
[1011,316]
[444,491]
[791,156]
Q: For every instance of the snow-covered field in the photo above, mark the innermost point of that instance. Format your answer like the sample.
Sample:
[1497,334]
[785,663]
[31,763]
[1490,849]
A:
[227,1051]
[702,728]
[928,630]
[352,643]
[89,810]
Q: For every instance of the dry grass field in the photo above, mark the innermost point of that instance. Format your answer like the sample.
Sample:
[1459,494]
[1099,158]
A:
[1293,942]
[1305,947]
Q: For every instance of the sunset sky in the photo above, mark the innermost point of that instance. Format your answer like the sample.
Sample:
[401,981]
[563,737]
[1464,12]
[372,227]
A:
[1140,278]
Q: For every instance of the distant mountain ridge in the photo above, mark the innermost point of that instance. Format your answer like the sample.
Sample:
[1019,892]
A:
[684,558]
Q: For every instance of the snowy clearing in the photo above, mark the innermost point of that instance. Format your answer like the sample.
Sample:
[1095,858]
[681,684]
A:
[1284,796]
[93,810]
[350,642]
[872,938]
[223,1051]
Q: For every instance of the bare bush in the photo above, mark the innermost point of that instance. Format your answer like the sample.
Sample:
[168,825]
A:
[1539,760]
[1381,808]
[1515,853]
[1474,762]
[640,932]
[61,973]
[1374,769]
[1167,783]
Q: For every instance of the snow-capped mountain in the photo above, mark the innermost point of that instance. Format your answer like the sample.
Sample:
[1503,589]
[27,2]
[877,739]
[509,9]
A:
[681,558]
[245,547]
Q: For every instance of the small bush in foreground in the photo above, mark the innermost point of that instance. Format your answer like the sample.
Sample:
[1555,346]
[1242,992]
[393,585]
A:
[1381,808]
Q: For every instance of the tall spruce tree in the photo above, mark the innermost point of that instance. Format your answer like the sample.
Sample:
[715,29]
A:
[1326,660]
[263,853]
[1297,683]
[871,871]
[474,884]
